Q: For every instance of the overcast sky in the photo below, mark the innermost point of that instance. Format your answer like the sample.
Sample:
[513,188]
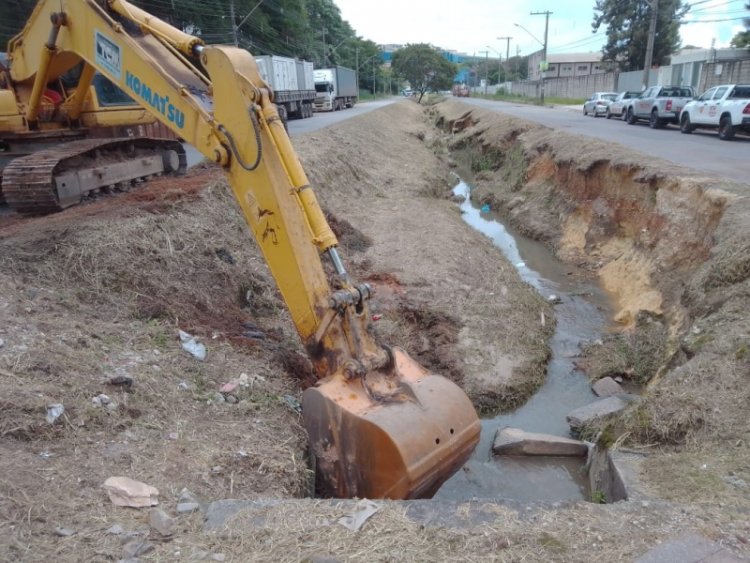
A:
[470,26]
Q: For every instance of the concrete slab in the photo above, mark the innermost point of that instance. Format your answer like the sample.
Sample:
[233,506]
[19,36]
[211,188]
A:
[514,441]
[604,408]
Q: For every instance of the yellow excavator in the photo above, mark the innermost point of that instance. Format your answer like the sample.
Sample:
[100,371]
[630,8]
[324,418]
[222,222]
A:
[379,424]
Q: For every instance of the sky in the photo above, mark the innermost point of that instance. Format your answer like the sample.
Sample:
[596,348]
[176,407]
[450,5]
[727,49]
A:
[473,26]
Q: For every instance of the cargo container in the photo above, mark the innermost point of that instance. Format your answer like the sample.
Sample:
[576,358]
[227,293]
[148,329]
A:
[292,83]
[336,88]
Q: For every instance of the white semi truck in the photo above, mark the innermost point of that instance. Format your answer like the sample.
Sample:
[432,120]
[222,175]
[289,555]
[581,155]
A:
[336,88]
[292,83]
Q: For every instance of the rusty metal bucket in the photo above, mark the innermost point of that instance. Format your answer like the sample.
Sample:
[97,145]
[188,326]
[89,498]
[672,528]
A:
[399,433]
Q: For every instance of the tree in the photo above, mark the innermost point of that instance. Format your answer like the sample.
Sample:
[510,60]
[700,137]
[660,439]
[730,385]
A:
[627,24]
[424,67]
[742,39]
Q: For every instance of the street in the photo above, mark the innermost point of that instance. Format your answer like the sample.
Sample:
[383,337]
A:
[324,119]
[701,151]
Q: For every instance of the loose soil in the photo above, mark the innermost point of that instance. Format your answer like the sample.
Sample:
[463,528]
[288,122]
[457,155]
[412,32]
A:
[102,289]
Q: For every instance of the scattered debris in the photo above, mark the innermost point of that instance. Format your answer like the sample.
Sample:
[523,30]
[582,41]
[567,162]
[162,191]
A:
[183,386]
[162,522]
[54,412]
[230,387]
[2,342]
[45,454]
[190,344]
[554,299]
[224,255]
[121,381]
[292,403]
[363,511]
[103,400]
[64,532]
[136,548]
[124,491]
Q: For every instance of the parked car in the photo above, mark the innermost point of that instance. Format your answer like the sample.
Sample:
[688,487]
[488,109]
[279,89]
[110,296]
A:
[598,103]
[619,107]
[660,105]
[726,107]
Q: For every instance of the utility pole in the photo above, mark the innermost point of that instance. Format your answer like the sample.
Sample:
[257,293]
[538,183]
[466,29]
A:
[325,49]
[486,69]
[235,28]
[507,51]
[654,5]
[356,67]
[543,68]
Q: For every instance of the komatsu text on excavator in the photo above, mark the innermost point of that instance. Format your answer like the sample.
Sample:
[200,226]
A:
[379,424]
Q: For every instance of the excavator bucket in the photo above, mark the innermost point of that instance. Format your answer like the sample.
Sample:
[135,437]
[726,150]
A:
[399,433]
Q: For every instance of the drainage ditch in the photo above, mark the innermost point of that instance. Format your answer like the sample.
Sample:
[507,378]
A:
[581,313]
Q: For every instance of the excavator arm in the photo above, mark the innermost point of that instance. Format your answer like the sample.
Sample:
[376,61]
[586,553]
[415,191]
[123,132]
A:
[379,424]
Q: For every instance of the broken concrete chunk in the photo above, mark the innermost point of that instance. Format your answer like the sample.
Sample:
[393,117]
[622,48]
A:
[513,441]
[603,408]
[124,491]
[162,522]
[607,386]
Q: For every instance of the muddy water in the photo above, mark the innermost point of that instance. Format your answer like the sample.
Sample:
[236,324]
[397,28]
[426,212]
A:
[581,316]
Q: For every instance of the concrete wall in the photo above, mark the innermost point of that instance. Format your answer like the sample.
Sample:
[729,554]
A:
[572,87]
[724,72]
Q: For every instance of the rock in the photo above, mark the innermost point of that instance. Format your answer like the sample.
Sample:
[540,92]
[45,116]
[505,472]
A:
[231,399]
[217,397]
[619,379]
[64,532]
[188,502]
[116,530]
[188,507]
[230,387]
[136,548]
[183,386]
[688,548]
[554,299]
[218,557]
[162,522]
[582,416]
[124,491]
[103,400]
[513,441]
[2,342]
[607,386]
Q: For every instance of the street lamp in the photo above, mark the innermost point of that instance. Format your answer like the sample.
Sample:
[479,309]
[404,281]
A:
[542,68]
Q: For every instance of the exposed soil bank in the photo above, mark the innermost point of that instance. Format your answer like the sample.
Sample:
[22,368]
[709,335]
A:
[673,249]
[100,291]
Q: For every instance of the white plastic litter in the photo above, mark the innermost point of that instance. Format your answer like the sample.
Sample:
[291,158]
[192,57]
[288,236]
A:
[362,513]
[190,344]
[54,412]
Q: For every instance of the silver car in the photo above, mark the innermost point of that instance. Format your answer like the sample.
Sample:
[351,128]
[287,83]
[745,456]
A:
[619,108]
[598,103]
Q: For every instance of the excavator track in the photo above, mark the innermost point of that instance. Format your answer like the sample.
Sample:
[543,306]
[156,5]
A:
[50,180]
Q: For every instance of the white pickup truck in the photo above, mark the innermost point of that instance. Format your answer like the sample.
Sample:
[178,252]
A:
[726,107]
[660,105]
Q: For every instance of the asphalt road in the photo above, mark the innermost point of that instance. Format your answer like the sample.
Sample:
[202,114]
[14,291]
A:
[702,151]
[324,119]
[317,121]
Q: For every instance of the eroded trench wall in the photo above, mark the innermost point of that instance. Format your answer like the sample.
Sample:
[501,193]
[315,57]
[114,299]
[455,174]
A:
[670,245]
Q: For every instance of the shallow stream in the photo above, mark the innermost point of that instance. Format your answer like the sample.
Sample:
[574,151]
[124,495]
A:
[582,316]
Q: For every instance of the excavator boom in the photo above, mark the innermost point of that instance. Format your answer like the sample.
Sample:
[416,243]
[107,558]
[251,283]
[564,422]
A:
[379,424]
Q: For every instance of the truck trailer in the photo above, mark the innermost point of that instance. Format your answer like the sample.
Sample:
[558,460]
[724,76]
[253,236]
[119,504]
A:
[336,88]
[292,82]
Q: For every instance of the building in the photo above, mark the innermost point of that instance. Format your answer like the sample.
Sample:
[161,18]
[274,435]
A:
[563,65]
